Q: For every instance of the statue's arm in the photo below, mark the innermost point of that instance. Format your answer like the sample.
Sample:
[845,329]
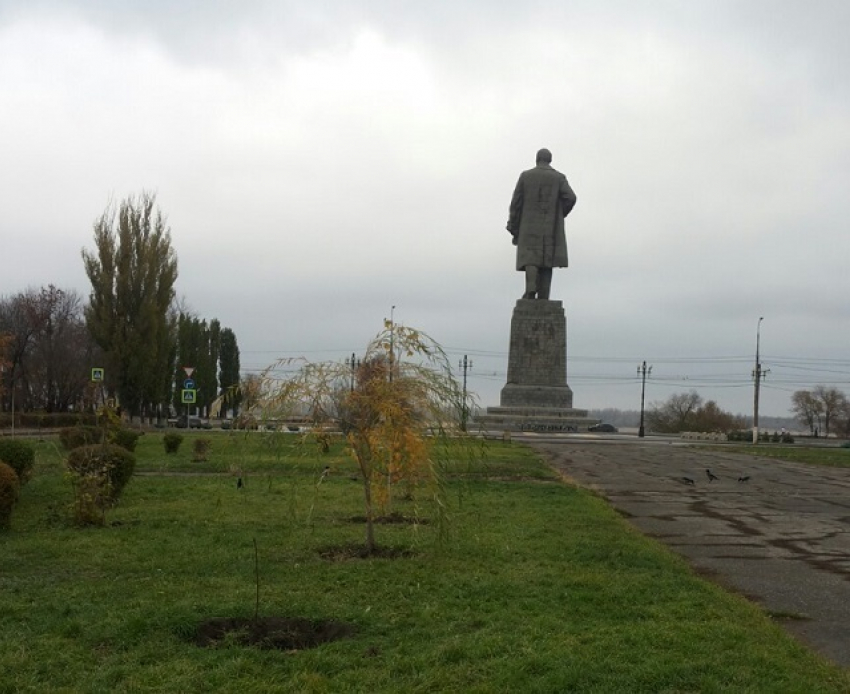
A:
[515,212]
[568,197]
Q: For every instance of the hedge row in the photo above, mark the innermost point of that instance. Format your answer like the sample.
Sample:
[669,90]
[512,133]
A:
[75,437]
[44,420]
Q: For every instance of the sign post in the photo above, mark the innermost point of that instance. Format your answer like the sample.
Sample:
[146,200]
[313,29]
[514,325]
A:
[189,394]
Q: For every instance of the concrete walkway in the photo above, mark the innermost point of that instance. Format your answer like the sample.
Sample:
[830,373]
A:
[782,538]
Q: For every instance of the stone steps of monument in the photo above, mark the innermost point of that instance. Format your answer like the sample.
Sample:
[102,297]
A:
[540,419]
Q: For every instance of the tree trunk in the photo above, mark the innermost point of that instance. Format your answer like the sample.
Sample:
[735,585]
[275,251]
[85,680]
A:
[370,530]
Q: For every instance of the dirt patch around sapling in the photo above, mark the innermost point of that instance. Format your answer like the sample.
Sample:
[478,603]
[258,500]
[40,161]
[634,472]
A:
[394,518]
[360,551]
[272,633]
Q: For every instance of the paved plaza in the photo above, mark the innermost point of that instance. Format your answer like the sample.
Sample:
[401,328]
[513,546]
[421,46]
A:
[782,538]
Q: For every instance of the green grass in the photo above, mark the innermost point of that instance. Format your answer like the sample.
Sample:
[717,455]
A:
[540,587]
[831,456]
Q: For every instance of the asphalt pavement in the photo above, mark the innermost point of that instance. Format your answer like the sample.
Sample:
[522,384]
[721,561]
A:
[780,537]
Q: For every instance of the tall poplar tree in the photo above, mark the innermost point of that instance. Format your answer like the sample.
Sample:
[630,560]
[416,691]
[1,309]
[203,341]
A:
[228,375]
[132,272]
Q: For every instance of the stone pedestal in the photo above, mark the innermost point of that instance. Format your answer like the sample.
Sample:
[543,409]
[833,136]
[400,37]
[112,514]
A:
[536,396]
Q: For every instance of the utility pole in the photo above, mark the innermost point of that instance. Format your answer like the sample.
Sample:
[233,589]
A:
[643,370]
[392,340]
[466,365]
[758,374]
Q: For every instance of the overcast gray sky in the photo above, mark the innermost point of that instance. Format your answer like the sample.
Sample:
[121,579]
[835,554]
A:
[322,162]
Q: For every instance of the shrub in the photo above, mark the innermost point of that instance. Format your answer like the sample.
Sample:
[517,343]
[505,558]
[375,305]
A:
[44,420]
[172,442]
[99,474]
[75,437]
[18,455]
[126,438]
[111,463]
[91,499]
[246,421]
[9,486]
[200,450]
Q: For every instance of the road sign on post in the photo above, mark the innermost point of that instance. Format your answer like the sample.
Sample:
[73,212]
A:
[189,384]
[189,371]
[97,374]
[188,396]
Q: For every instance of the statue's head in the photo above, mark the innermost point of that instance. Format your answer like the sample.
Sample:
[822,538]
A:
[545,156]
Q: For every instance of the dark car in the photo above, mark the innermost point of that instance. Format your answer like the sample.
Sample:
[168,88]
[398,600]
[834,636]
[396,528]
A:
[193,422]
[603,428]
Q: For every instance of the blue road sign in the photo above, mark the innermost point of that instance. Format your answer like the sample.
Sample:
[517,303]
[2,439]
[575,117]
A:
[189,384]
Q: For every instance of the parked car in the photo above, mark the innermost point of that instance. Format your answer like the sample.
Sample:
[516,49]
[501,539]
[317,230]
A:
[193,422]
[603,428]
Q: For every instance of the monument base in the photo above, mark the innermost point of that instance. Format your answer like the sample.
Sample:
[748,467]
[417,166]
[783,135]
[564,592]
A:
[536,396]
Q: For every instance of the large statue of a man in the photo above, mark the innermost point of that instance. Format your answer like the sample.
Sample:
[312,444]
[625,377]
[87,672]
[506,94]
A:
[541,201]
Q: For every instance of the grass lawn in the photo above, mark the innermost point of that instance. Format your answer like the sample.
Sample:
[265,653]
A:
[831,456]
[539,587]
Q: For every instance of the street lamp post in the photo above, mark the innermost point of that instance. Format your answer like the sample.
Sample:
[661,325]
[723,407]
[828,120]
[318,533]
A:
[757,373]
[466,365]
[353,363]
[642,371]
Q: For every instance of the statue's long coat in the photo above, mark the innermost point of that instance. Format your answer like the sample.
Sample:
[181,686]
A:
[542,198]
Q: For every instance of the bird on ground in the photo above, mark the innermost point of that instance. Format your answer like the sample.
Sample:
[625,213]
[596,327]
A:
[744,478]
[688,480]
[711,476]
[239,483]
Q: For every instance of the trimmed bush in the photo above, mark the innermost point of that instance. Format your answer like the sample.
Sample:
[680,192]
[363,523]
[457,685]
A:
[115,465]
[172,442]
[126,438]
[18,455]
[75,437]
[200,449]
[9,488]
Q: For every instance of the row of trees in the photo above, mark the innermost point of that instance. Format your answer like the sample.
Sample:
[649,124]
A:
[213,353]
[48,351]
[688,412]
[131,327]
[823,409]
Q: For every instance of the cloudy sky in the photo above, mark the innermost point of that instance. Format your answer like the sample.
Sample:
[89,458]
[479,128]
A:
[322,162]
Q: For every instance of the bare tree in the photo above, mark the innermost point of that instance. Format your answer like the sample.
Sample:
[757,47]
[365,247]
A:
[62,352]
[834,405]
[807,408]
[674,415]
[18,322]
